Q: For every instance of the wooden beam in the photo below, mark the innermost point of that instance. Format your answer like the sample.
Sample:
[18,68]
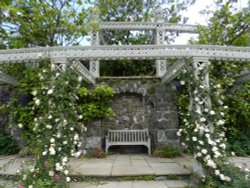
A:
[174,70]
[83,71]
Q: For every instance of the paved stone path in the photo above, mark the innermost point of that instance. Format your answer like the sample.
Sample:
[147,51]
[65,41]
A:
[124,165]
[129,165]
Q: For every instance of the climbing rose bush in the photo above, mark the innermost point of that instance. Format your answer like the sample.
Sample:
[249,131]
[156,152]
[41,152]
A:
[203,131]
[57,127]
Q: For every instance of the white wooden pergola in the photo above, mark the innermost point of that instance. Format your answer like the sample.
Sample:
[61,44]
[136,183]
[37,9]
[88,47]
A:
[161,53]
[182,55]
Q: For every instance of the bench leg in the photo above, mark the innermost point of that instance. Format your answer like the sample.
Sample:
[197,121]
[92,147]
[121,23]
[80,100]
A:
[149,150]
[106,149]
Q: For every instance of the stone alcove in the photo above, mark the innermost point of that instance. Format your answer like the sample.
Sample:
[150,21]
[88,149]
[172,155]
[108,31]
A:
[139,103]
[132,111]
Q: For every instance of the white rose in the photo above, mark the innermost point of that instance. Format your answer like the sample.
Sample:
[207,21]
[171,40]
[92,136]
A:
[201,142]
[48,126]
[196,99]
[66,172]
[68,179]
[34,93]
[44,153]
[50,91]
[76,137]
[65,142]
[52,151]
[79,79]
[214,149]
[64,159]
[204,151]
[194,138]
[182,82]
[217,172]
[221,122]
[212,112]
[77,154]
[202,119]
[222,177]
[51,173]
[37,102]
[20,125]
[52,140]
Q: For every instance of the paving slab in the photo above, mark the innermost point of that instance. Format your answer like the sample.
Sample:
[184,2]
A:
[139,163]
[84,171]
[10,167]
[122,157]
[159,160]
[76,162]
[122,163]
[125,184]
[131,171]
[83,185]
[176,183]
[149,184]
[169,169]
[137,157]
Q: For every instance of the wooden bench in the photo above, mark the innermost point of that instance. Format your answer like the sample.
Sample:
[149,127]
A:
[128,137]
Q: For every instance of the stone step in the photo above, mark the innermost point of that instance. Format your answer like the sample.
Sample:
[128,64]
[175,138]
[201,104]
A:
[134,184]
[116,184]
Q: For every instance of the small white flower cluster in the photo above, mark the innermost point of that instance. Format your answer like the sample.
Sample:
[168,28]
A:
[63,130]
[199,130]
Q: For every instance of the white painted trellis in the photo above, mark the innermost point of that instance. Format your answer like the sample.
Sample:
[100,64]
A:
[184,55]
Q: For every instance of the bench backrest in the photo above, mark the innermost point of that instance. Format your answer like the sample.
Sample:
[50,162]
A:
[128,135]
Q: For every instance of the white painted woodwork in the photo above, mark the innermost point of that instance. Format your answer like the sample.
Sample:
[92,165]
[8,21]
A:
[128,137]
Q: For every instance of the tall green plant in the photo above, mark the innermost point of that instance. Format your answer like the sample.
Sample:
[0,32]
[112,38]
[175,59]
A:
[57,128]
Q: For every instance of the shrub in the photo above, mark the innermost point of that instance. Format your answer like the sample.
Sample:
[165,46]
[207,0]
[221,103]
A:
[96,152]
[8,145]
[167,151]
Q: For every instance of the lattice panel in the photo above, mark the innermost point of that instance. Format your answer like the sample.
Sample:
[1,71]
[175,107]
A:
[181,28]
[83,71]
[127,52]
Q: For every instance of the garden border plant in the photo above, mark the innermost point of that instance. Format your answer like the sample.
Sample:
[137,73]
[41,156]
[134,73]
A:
[203,129]
[55,119]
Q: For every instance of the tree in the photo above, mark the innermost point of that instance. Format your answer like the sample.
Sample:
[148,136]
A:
[31,23]
[135,11]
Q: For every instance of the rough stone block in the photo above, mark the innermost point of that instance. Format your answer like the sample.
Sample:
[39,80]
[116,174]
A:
[93,141]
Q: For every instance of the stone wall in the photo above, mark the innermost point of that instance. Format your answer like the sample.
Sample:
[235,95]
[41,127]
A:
[6,93]
[139,104]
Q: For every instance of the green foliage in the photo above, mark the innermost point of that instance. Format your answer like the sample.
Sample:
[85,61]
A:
[167,151]
[40,23]
[240,178]
[127,68]
[95,104]
[56,128]
[238,121]
[8,145]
